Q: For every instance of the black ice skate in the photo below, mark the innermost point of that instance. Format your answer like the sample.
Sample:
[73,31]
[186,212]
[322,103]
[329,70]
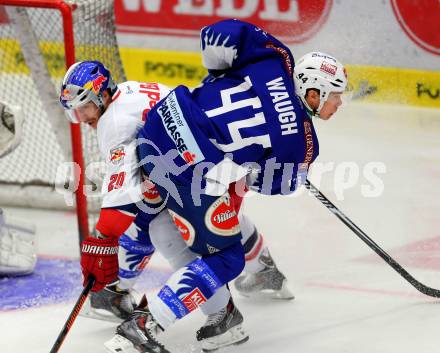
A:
[222,329]
[109,304]
[137,333]
[269,282]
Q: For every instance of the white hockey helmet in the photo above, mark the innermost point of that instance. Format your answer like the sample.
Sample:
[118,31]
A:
[319,71]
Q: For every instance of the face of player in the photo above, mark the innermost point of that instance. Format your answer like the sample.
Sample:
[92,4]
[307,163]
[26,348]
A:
[330,106]
[90,113]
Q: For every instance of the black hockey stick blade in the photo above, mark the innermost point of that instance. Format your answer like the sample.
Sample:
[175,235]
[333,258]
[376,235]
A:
[370,242]
[71,319]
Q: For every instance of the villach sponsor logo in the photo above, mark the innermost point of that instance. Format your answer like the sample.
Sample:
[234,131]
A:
[293,21]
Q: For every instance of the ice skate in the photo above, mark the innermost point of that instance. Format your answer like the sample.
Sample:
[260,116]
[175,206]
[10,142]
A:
[137,334]
[222,329]
[266,283]
[110,304]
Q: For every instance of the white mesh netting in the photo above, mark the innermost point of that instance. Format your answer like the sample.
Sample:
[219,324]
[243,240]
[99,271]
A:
[46,137]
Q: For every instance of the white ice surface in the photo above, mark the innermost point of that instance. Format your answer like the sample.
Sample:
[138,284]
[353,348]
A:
[342,304]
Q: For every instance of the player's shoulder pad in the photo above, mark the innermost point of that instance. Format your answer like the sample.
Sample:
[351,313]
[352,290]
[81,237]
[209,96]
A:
[138,93]
[231,44]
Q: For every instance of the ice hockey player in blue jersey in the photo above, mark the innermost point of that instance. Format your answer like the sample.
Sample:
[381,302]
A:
[117,112]
[249,126]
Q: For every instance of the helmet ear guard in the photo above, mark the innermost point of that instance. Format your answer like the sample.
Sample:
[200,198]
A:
[319,71]
[71,116]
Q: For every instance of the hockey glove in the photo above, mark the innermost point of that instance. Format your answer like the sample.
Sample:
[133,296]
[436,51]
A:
[99,257]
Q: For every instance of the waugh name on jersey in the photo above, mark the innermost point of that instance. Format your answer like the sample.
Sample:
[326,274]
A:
[283,105]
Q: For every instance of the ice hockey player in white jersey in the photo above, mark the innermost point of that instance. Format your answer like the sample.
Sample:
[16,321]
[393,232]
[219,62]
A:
[117,112]
[17,240]
[131,206]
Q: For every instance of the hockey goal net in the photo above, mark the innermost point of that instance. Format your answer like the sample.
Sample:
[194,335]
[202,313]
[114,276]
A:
[39,39]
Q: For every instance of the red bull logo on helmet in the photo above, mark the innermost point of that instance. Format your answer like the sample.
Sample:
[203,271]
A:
[66,95]
[95,85]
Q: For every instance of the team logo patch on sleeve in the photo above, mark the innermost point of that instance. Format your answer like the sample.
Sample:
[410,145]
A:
[221,217]
[117,154]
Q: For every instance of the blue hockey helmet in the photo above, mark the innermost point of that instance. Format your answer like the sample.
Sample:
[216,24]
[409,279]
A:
[84,82]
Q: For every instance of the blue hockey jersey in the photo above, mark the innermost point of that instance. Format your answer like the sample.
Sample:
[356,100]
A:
[246,109]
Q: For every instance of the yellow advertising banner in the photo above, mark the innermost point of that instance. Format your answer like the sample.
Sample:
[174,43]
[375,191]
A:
[395,86]
[370,83]
[171,68]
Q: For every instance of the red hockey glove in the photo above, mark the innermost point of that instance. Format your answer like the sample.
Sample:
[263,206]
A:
[99,257]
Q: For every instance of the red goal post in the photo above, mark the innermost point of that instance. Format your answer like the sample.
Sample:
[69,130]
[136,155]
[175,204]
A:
[39,39]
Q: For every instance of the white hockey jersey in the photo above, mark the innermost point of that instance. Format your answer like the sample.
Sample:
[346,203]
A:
[117,129]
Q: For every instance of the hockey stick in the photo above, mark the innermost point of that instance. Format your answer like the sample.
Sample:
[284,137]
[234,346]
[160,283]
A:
[376,248]
[75,311]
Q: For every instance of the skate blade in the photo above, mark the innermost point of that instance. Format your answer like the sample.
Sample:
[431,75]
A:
[119,344]
[234,336]
[98,314]
[283,294]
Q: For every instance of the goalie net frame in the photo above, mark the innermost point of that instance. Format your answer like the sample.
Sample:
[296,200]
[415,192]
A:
[66,9]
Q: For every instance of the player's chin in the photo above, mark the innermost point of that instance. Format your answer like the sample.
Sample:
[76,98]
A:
[329,115]
[326,116]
